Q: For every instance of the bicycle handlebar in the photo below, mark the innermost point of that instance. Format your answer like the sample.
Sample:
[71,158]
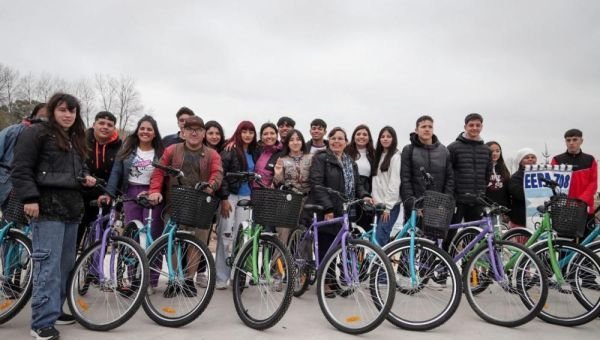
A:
[427,177]
[169,170]
[248,176]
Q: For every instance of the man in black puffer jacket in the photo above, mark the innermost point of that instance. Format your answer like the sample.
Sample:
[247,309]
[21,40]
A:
[471,162]
[425,151]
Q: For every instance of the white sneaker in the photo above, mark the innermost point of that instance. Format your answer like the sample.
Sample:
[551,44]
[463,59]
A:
[202,280]
[150,291]
[221,285]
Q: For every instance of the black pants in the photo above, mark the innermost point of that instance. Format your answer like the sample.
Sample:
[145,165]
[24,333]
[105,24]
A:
[464,212]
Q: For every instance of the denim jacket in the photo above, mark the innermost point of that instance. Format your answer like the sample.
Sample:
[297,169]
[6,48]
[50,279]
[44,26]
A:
[119,174]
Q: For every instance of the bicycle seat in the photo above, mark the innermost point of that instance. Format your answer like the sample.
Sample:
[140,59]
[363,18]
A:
[244,203]
[313,207]
[379,207]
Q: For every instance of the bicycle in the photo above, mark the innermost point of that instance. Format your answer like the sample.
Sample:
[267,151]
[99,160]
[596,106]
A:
[110,278]
[504,269]
[174,300]
[261,266]
[572,269]
[426,276]
[15,262]
[358,273]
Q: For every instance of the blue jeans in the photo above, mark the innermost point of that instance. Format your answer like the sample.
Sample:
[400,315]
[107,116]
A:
[384,229]
[53,259]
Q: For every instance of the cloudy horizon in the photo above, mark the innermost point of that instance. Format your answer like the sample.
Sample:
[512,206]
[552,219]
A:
[530,68]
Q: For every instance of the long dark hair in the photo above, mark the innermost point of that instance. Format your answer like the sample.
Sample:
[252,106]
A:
[75,135]
[385,165]
[133,141]
[352,149]
[500,166]
[286,142]
[215,124]
[239,143]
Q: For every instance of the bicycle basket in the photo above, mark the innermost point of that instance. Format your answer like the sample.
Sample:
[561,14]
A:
[569,216]
[438,209]
[14,211]
[192,208]
[277,208]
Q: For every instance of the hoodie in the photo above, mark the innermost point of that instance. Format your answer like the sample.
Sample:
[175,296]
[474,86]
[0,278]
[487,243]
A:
[102,156]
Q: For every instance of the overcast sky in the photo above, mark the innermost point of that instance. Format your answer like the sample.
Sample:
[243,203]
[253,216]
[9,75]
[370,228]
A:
[531,68]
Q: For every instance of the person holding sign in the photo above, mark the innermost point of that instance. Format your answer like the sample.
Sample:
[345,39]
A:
[518,215]
[584,181]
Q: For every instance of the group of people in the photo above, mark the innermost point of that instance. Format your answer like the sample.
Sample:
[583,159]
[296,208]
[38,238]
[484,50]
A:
[50,163]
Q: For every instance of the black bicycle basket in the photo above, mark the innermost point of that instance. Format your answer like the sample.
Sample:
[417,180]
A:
[438,209]
[277,208]
[14,211]
[569,216]
[192,207]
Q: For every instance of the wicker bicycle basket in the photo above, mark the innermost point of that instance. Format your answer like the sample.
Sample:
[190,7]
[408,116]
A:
[438,209]
[192,207]
[277,208]
[569,216]
[14,211]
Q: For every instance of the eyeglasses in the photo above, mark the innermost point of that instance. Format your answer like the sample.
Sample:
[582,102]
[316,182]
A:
[198,130]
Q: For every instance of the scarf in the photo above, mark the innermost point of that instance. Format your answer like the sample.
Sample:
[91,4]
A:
[348,171]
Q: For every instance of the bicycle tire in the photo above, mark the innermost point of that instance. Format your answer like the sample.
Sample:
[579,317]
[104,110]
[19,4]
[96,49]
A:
[22,283]
[300,260]
[524,281]
[281,286]
[120,294]
[438,278]
[376,271]
[459,242]
[518,235]
[161,308]
[584,304]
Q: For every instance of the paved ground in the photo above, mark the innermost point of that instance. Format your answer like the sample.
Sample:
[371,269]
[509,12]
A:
[304,320]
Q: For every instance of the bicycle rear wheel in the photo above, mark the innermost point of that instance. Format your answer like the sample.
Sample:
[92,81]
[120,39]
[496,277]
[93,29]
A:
[111,300]
[262,301]
[517,235]
[359,303]
[436,295]
[174,299]
[15,274]
[577,300]
[300,246]
[503,301]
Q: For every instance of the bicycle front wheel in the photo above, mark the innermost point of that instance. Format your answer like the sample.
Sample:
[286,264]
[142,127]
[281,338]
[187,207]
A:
[263,284]
[300,246]
[358,299]
[174,298]
[111,299]
[503,302]
[15,274]
[576,300]
[432,297]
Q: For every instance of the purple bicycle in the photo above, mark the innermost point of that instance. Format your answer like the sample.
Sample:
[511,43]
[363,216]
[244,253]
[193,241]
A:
[355,280]
[110,278]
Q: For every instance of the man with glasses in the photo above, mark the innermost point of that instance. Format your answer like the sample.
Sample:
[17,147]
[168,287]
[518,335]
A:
[182,115]
[199,163]
[318,129]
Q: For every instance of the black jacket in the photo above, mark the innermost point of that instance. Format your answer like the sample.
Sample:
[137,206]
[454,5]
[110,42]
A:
[101,158]
[45,174]
[327,171]
[517,198]
[472,165]
[232,163]
[434,158]
[310,143]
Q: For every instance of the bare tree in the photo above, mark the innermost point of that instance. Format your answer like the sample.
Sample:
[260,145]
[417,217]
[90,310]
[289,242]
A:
[43,87]
[9,80]
[84,90]
[28,91]
[128,101]
[106,87]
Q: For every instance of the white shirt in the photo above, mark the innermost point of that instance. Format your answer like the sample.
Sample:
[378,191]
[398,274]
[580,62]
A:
[364,167]
[315,149]
[141,168]
[386,185]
